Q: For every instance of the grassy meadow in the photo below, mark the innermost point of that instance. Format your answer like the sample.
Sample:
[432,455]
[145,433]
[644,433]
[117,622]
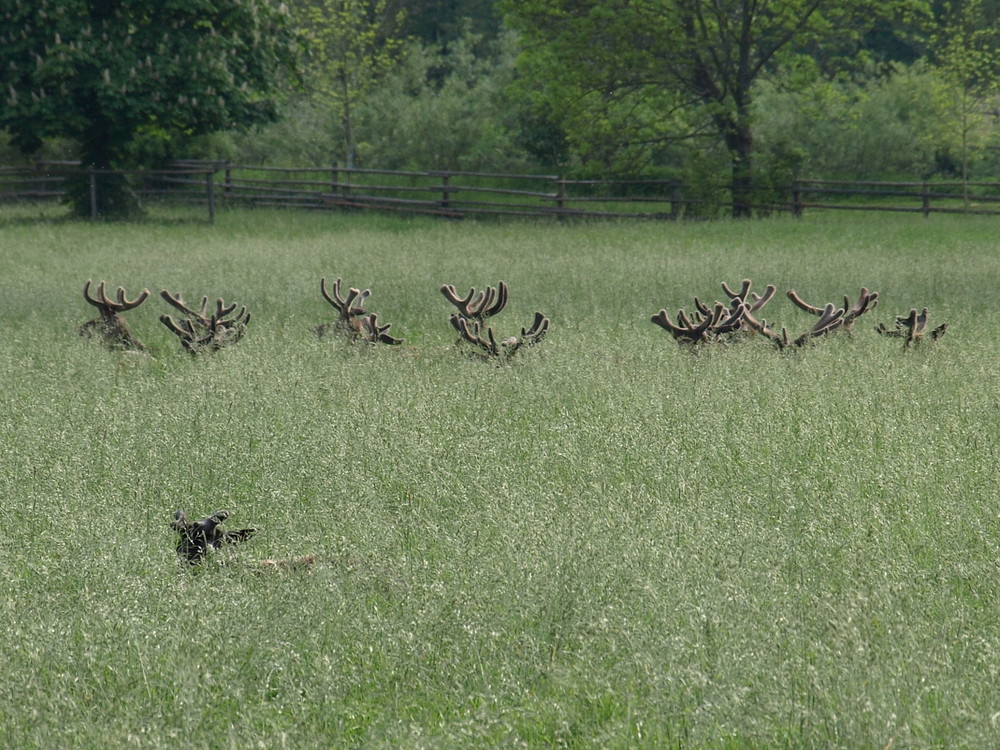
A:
[612,542]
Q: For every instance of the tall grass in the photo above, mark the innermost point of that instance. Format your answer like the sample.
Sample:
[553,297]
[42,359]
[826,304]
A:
[612,542]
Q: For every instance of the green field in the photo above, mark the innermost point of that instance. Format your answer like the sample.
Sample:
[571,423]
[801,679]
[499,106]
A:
[612,542]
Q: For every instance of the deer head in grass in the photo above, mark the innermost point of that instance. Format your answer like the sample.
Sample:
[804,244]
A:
[202,331]
[195,539]
[866,302]
[110,325]
[470,322]
[710,323]
[912,328]
[352,319]
[831,318]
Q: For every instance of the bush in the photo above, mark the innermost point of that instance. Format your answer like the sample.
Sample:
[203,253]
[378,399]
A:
[883,127]
[444,109]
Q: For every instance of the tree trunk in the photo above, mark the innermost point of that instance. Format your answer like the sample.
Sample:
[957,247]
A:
[114,198]
[738,136]
[347,118]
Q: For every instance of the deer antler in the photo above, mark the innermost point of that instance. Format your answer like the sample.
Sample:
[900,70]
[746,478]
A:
[707,323]
[373,332]
[110,325]
[475,333]
[352,319]
[175,300]
[352,306]
[195,539]
[912,327]
[761,327]
[471,331]
[120,305]
[756,301]
[830,319]
[204,332]
[718,320]
[529,336]
[485,304]
[866,301]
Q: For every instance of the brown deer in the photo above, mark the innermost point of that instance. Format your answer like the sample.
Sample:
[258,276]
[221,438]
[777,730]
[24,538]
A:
[713,322]
[352,318]
[195,539]
[912,327]
[475,308]
[202,331]
[109,325]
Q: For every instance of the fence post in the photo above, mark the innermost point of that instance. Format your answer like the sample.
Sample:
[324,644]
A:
[560,194]
[228,187]
[675,200]
[210,190]
[796,200]
[925,199]
[93,193]
[40,185]
[445,190]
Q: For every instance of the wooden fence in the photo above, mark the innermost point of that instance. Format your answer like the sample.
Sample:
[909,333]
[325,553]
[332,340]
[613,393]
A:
[463,194]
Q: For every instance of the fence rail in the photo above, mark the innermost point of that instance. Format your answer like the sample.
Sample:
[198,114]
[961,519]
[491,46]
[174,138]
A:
[462,194]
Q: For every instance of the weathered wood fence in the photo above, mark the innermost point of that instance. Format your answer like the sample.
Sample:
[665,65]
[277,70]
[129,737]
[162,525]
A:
[462,194]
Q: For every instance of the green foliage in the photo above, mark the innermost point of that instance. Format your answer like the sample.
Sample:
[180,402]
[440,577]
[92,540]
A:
[967,57]
[447,108]
[638,64]
[884,126]
[107,74]
[438,22]
[614,542]
[440,108]
[352,44]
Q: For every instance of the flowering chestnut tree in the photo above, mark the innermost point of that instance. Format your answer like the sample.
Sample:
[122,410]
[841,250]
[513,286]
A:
[104,72]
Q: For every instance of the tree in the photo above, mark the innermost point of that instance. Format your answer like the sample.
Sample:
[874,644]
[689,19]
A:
[107,72]
[965,50]
[703,54]
[438,22]
[446,108]
[353,43]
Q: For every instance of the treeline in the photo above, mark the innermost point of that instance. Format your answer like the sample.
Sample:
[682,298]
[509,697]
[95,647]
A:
[732,97]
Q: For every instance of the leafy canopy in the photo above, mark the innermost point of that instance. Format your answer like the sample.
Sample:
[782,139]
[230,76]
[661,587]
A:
[103,71]
[652,71]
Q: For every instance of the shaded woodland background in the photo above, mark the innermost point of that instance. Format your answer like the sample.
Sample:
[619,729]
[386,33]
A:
[459,85]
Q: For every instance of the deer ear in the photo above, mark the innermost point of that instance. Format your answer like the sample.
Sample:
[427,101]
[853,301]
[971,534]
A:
[180,522]
[240,535]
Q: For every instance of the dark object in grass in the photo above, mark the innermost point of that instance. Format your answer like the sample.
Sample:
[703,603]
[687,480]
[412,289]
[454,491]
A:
[352,319]
[194,539]
[912,327]
[110,326]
